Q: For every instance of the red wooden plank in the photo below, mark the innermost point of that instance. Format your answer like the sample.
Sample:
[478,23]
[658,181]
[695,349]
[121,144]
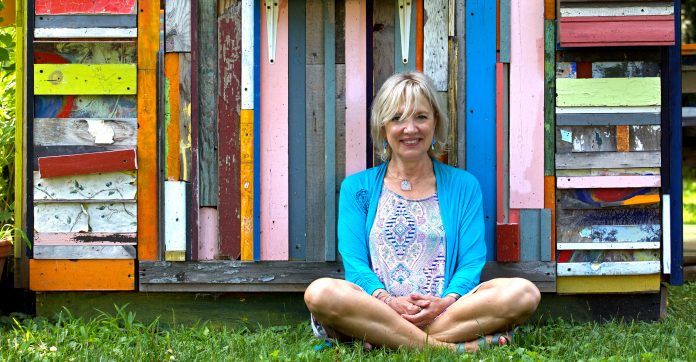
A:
[508,242]
[229,96]
[86,163]
[617,31]
[46,7]
[584,70]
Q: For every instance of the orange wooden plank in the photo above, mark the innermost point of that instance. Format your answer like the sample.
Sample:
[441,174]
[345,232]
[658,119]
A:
[171,71]
[81,275]
[420,22]
[87,163]
[148,34]
[549,9]
[550,203]
[622,142]
[688,49]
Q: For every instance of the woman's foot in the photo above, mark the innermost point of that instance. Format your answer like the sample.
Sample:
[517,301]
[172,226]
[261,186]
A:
[485,342]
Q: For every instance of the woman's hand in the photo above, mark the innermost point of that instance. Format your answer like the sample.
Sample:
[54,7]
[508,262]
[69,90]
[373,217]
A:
[404,305]
[431,308]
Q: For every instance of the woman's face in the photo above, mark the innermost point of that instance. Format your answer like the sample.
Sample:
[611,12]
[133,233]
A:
[411,137]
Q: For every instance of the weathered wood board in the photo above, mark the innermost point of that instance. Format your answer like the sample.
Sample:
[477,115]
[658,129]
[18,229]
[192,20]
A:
[646,171]
[88,217]
[356,97]
[576,226]
[608,284]
[85,21]
[609,268]
[608,92]
[608,160]
[625,69]
[84,79]
[178,26]
[175,220]
[85,7]
[246,180]
[185,135]
[95,239]
[579,182]
[383,36]
[507,242]
[207,87]
[116,52]
[588,31]
[81,275]
[86,33]
[609,246]
[114,133]
[602,198]
[101,186]
[577,116]
[605,8]
[77,252]
[82,164]
[99,107]
[606,138]
[435,30]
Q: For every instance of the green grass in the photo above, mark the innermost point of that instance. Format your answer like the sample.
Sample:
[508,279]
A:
[119,336]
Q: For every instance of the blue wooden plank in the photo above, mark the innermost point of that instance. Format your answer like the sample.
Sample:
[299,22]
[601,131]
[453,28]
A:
[399,65]
[480,106]
[530,235]
[545,234]
[257,130]
[505,31]
[329,130]
[296,110]
[675,163]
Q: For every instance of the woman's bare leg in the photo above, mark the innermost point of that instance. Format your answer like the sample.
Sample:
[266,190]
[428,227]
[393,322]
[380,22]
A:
[343,306]
[498,305]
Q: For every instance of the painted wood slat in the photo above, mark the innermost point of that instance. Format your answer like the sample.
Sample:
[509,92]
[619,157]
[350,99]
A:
[608,246]
[568,182]
[459,10]
[274,142]
[208,237]
[688,79]
[95,239]
[77,252]
[667,235]
[92,217]
[172,107]
[19,247]
[606,119]
[608,92]
[603,198]
[384,38]
[608,284]
[247,184]
[618,9]
[247,97]
[621,138]
[480,107]
[616,31]
[87,79]
[178,26]
[501,152]
[175,220]
[435,32]
[507,242]
[45,7]
[257,131]
[609,172]
[81,275]
[228,127]
[115,132]
[608,268]
[505,8]
[545,239]
[420,37]
[100,107]
[527,106]
[530,235]
[101,186]
[607,160]
[85,21]
[122,160]
[65,33]
[185,136]
[550,9]
[625,69]
[399,65]
[330,189]
[85,52]
[550,204]
[194,212]
[207,106]
[356,93]
[549,95]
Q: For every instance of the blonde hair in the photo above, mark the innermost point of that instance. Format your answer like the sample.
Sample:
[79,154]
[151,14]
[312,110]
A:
[404,89]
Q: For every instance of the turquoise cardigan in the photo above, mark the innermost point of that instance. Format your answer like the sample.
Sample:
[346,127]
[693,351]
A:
[459,195]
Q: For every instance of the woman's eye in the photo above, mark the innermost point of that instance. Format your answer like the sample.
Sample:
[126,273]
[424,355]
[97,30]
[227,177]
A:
[396,118]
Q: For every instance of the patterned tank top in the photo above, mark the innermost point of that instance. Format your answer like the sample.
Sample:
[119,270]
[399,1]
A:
[407,244]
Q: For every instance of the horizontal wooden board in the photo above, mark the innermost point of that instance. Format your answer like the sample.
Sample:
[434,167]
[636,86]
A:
[77,252]
[84,79]
[48,151]
[579,182]
[85,239]
[85,21]
[608,92]
[81,275]
[645,171]
[606,119]
[574,225]
[121,133]
[87,163]
[611,197]
[90,217]
[85,52]
[588,31]
[70,33]
[99,107]
[45,7]
[617,110]
[609,268]
[600,236]
[617,9]
[604,138]
[608,284]
[608,246]
[608,54]
[99,187]
[625,69]
[608,160]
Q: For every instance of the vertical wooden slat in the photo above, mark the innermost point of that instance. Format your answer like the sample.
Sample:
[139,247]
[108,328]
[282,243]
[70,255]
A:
[480,107]
[148,47]
[257,131]
[175,221]
[505,31]
[207,103]
[530,234]
[296,109]
[184,146]
[527,105]
[208,245]
[19,129]
[622,139]
[178,22]
[193,132]
[247,184]
[550,203]
[549,96]
[399,65]
[675,168]
[545,227]
[383,40]
[666,235]
[274,140]
[420,21]
[584,70]
[460,35]
[549,9]
[435,32]
[171,116]
[356,95]
[506,149]
[228,110]
[329,130]
[499,145]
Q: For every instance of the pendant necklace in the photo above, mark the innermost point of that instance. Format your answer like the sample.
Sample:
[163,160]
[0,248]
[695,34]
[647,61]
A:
[405,184]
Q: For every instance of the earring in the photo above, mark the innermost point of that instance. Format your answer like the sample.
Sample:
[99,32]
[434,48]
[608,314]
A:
[432,146]
[384,149]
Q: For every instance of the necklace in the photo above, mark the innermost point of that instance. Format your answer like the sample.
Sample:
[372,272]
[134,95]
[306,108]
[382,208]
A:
[405,184]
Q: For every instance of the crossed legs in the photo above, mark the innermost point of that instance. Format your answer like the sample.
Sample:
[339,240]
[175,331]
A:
[497,305]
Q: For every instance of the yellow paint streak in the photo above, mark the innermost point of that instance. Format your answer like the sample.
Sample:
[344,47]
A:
[643,200]
[175,255]
[84,79]
[608,284]
[19,129]
[185,147]
[247,183]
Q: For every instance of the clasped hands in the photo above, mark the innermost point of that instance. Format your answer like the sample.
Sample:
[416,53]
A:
[419,309]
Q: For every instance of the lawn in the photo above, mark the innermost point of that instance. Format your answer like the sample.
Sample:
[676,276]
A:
[119,336]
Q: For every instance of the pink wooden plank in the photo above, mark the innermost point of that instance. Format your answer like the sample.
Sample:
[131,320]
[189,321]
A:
[96,239]
[527,105]
[274,141]
[500,147]
[207,233]
[584,31]
[589,182]
[356,81]
[87,163]
[46,7]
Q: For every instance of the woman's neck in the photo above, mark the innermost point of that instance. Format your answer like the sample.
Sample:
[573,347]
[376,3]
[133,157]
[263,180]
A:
[411,169]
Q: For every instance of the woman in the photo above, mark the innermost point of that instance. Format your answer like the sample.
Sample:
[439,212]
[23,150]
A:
[410,232]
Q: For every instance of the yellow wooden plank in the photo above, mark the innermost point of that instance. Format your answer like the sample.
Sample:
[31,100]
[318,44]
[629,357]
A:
[83,275]
[84,79]
[247,183]
[608,284]
[19,129]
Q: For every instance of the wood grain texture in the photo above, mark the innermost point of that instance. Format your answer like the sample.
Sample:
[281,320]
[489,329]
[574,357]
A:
[607,160]
[315,132]
[207,105]
[604,198]
[550,204]
[100,107]
[507,242]
[229,108]
[247,54]
[612,92]
[608,284]
[208,237]
[609,268]
[85,21]
[504,30]
[688,79]
[356,93]
[383,36]
[95,239]
[549,94]
[88,33]
[193,214]
[542,274]
[246,179]
[84,79]
[274,191]
[435,29]
[78,252]
[563,118]
[578,182]
[81,275]
[45,7]
[89,217]
[609,246]
[530,235]
[608,139]
[172,113]
[116,133]
[527,105]
[625,69]
[85,52]
[185,135]
[617,9]
[20,162]
[550,9]
[178,26]
[175,220]
[622,143]
[330,190]
[111,161]
[616,31]
[420,37]
[102,186]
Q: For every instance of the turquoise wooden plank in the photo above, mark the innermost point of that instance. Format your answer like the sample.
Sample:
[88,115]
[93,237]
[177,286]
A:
[480,107]
[545,234]
[329,130]
[399,65]
[530,235]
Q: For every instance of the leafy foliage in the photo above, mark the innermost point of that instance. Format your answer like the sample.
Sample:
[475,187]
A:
[7,123]
[689,21]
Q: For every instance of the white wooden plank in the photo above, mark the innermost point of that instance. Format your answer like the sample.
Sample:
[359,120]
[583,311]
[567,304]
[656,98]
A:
[59,33]
[94,187]
[619,9]
[607,246]
[85,132]
[666,235]
[608,268]
[247,54]
[178,26]
[435,30]
[84,252]
[174,217]
[593,182]
[608,109]
[93,217]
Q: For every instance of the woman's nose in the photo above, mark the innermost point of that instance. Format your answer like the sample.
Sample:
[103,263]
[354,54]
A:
[409,125]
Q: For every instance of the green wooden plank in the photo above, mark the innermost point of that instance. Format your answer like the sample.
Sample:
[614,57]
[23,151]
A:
[549,94]
[84,79]
[608,92]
